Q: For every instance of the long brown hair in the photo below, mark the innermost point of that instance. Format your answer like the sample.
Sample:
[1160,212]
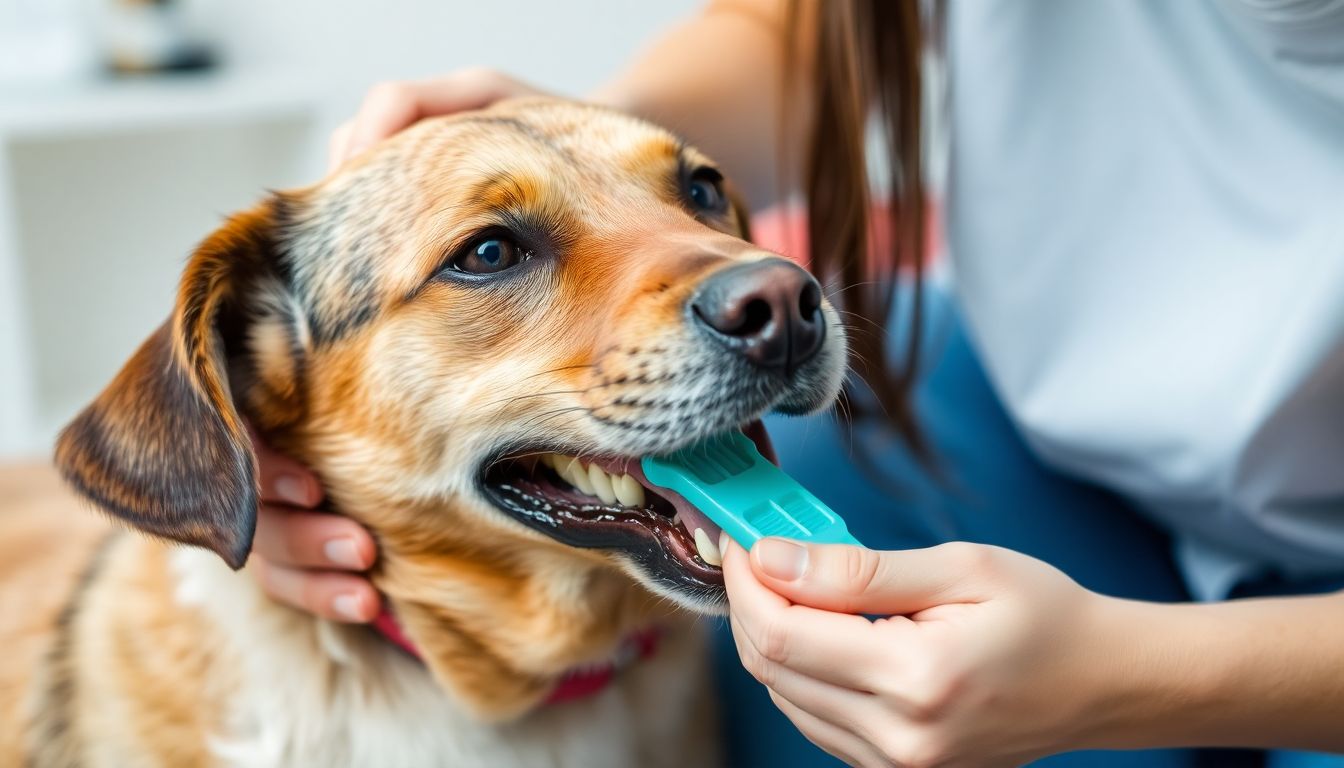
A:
[866,66]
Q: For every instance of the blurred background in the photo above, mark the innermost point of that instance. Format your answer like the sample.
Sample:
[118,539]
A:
[128,128]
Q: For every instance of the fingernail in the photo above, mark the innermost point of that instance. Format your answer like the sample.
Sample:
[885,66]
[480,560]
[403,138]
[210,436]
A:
[780,558]
[344,553]
[347,607]
[292,489]
[723,541]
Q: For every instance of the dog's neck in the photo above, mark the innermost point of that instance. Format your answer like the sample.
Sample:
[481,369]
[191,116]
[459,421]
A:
[296,690]
[577,683]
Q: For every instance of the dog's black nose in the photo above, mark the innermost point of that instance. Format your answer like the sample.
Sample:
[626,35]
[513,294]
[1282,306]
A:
[769,311]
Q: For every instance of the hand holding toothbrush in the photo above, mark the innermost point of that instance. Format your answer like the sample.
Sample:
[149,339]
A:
[989,657]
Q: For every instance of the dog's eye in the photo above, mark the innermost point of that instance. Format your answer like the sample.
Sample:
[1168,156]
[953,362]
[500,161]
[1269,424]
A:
[705,190]
[490,255]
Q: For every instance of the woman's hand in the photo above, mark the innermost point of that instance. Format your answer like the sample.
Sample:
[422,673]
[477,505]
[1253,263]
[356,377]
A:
[309,560]
[989,657]
[392,106]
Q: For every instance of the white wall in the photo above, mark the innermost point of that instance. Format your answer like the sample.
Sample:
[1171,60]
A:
[16,385]
[566,45]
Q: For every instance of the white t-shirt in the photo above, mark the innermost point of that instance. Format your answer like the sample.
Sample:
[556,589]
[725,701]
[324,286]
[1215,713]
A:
[1146,220]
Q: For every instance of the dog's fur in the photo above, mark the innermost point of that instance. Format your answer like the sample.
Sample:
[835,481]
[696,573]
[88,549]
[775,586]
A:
[326,319]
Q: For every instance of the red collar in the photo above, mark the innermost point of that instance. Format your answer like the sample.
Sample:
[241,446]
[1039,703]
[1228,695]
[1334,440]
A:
[578,683]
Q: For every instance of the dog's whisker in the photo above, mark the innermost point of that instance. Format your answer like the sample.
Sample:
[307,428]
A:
[545,416]
[859,356]
[876,327]
[576,366]
[855,331]
[852,286]
[526,454]
[875,398]
[842,408]
[856,315]
[530,395]
[830,282]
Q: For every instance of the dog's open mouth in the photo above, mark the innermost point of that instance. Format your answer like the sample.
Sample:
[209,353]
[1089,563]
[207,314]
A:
[606,502]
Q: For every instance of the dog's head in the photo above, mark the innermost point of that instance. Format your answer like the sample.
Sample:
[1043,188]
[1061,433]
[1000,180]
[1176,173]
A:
[472,333]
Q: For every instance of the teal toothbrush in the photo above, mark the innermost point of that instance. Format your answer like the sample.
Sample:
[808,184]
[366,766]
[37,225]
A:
[726,478]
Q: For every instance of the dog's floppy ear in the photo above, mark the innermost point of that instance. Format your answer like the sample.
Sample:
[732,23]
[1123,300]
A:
[163,447]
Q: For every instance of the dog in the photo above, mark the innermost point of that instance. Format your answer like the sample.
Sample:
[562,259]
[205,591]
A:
[471,333]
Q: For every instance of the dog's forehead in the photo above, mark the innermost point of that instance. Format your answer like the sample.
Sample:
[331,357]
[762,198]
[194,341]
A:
[603,135]
[558,139]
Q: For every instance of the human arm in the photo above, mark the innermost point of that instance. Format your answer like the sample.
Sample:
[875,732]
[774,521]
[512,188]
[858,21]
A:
[994,658]
[719,79]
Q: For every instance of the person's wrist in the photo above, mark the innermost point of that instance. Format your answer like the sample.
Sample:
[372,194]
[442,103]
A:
[1088,686]
[1150,679]
[1112,636]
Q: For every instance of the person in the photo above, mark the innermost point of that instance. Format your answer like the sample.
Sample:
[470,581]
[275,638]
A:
[1134,385]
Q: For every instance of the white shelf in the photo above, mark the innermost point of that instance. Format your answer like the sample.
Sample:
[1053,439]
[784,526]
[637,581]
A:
[154,102]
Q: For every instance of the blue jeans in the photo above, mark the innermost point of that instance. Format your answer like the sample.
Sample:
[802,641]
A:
[988,488]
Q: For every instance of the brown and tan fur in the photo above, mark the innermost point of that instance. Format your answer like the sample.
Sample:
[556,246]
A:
[323,318]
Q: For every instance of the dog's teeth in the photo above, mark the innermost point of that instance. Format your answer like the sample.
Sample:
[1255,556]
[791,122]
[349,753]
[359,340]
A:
[601,484]
[577,475]
[628,491]
[709,551]
[676,519]
[581,478]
